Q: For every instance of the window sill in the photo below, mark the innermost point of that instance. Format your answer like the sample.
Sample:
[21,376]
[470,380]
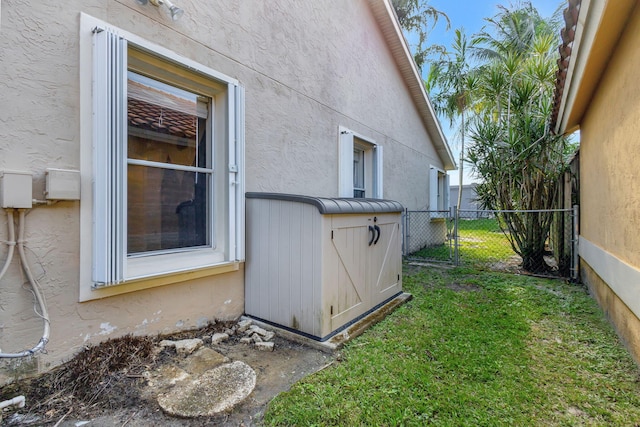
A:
[161,280]
[154,265]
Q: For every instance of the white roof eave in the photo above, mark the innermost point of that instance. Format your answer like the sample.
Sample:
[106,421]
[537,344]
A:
[384,14]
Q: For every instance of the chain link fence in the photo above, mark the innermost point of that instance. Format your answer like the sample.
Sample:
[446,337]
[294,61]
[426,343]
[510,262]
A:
[533,242]
[428,235]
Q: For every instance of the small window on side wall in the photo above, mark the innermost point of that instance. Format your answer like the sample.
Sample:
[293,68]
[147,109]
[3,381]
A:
[360,168]
[438,193]
[359,185]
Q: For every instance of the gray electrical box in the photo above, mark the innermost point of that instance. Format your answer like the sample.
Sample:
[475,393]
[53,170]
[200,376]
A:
[16,189]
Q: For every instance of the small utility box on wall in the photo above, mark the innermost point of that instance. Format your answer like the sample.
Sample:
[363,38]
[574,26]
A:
[16,189]
[316,265]
[62,184]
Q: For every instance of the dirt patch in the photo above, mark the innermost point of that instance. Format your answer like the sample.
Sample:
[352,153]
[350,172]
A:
[106,385]
[512,264]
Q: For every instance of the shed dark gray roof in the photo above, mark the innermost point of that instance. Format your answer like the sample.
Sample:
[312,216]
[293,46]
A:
[328,205]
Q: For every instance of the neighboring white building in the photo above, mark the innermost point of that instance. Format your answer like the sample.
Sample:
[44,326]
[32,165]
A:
[169,123]
[469,201]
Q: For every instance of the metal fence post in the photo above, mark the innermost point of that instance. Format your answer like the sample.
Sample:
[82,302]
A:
[406,232]
[450,236]
[574,243]
[456,253]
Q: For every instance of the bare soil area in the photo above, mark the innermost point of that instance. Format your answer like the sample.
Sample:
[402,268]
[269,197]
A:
[107,384]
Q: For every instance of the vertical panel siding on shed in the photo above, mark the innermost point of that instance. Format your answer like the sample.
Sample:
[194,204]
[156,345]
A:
[314,265]
[284,244]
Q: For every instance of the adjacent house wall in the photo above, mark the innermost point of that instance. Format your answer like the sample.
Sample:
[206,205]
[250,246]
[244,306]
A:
[609,196]
[308,67]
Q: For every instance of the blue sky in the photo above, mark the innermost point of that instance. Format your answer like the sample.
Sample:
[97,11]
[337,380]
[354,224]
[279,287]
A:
[470,14]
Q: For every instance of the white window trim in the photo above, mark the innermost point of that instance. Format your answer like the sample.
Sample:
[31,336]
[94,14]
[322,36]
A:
[434,183]
[345,163]
[176,263]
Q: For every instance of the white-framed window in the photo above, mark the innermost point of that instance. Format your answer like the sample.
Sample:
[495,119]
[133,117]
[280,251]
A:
[360,169]
[438,192]
[167,160]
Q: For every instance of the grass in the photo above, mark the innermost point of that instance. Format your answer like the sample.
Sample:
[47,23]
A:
[481,242]
[475,349]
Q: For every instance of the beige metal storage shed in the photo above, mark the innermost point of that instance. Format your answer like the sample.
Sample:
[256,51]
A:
[315,265]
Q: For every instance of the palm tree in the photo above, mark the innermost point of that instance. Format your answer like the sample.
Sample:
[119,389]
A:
[512,149]
[418,17]
[451,83]
[513,30]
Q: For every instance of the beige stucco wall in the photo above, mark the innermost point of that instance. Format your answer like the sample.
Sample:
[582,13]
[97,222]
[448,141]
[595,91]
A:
[609,190]
[325,74]
[307,66]
[609,153]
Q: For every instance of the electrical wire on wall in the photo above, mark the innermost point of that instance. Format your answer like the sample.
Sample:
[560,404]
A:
[35,286]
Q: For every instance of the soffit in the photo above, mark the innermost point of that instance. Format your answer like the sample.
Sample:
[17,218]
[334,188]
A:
[388,23]
[593,28]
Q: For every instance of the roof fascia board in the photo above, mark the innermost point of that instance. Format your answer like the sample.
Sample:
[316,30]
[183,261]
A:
[591,12]
[600,25]
[390,27]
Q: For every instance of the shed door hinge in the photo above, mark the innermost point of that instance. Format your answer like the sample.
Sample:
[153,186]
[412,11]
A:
[233,168]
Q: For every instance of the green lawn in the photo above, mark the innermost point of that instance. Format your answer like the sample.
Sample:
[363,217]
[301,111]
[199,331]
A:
[481,242]
[475,348]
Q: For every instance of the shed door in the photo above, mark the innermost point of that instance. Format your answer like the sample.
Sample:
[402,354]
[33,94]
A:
[385,261]
[347,290]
